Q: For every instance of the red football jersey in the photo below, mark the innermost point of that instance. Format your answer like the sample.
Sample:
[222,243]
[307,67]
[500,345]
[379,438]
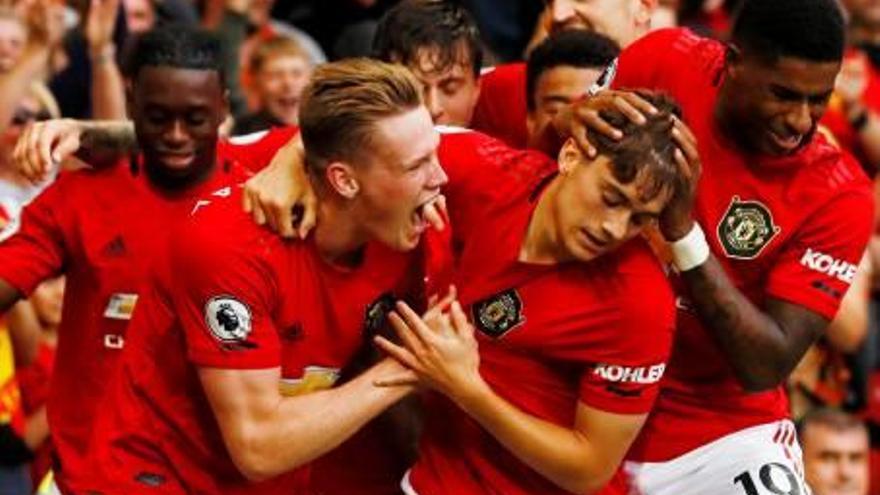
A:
[102,228]
[792,228]
[233,295]
[502,109]
[549,336]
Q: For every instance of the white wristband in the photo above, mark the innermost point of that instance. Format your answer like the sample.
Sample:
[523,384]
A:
[691,250]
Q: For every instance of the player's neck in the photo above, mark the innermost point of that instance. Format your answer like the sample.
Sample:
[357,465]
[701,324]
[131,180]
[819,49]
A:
[540,245]
[173,184]
[338,238]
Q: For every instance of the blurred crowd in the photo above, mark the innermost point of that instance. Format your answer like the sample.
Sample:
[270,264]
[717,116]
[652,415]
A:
[68,59]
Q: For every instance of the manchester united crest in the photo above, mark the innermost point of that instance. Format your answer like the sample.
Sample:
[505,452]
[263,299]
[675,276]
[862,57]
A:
[376,314]
[746,228]
[498,314]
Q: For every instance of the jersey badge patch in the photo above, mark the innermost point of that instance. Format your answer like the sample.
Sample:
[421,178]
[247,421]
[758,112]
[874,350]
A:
[120,306]
[498,314]
[746,228]
[228,319]
[376,314]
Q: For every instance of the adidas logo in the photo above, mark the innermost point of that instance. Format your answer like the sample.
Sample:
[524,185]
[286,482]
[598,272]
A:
[114,248]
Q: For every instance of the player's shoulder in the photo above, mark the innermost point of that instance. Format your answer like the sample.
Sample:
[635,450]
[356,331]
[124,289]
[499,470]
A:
[676,52]
[459,142]
[644,283]
[829,173]
[501,75]
[255,150]
[679,40]
[217,224]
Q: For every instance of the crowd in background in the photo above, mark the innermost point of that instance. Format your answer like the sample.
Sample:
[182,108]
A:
[69,60]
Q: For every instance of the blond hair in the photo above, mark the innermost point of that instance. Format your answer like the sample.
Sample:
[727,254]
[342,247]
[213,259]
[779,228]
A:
[272,47]
[342,104]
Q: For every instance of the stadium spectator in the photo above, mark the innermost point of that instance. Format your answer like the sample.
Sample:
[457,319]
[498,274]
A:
[854,111]
[279,71]
[836,453]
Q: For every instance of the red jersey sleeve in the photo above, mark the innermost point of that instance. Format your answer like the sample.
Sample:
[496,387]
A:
[819,263]
[255,151]
[223,294]
[627,380]
[646,62]
[502,109]
[481,170]
[38,250]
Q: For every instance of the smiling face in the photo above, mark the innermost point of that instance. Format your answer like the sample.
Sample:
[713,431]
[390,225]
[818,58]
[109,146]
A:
[773,107]
[280,83]
[594,212]
[13,38]
[176,114]
[403,174]
[555,89]
[836,462]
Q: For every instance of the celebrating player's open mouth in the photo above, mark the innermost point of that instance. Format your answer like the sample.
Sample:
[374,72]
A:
[428,213]
[784,141]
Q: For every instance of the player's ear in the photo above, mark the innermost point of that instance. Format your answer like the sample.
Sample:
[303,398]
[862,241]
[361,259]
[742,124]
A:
[645,10]
[226,102]
[342,179]
[732,58]
[569,156]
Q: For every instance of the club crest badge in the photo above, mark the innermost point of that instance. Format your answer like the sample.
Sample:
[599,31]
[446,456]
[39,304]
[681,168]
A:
[377,313]
[746,228]
[228,319]
[498,314]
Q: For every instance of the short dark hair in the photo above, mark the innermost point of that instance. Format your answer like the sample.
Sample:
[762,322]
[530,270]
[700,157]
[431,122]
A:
[445,26]
[831,418]
[178,46]
[572,47]
[810,30]
[342,103]
[647,151]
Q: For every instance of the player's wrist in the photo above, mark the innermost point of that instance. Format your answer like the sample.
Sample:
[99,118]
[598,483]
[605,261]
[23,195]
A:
[471,393]
[690,251]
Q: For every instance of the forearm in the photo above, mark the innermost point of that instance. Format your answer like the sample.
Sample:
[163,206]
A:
[562,455]
[106,140]
[108,90]
[756,346]
[36,430]
[302,428]
[24,332]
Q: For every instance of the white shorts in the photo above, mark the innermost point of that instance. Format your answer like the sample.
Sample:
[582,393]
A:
[761,460]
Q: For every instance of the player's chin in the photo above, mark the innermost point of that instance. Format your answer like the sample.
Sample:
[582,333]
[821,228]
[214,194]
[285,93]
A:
[409,239]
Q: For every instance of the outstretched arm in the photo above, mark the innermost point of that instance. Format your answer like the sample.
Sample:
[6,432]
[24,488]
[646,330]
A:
[268,434]
[42,145]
